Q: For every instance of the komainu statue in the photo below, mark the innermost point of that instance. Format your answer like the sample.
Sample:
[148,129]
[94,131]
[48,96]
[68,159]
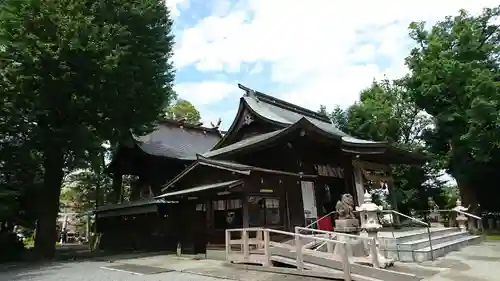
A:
[345,207]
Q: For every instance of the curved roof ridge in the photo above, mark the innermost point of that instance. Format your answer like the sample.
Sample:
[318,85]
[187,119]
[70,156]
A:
[190,126]
[284,104]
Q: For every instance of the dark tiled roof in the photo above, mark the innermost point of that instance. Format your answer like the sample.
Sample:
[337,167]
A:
[286,114]
[178,141]
[241,144]
[138,203]
[200,188]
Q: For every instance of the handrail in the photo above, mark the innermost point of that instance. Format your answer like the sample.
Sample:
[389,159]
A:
[299,251]
[284,233]
[316,221]
[451,210]
[334,233]
[406,216]
[468,214]
[427,225]
[305,236]
[457,211]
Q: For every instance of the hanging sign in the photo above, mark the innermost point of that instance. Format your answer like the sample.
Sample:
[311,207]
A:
[328,171]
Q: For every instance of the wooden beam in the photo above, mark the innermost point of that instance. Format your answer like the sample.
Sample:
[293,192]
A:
[371,165]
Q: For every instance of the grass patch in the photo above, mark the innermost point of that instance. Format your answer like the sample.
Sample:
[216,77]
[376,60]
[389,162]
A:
[30,243]
[493,237]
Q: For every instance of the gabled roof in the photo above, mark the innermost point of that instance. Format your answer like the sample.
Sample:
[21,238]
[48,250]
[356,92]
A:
[280,113]
[177,140]
[303,123]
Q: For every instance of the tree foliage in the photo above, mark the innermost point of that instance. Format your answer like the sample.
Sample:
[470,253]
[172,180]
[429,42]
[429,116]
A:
[385,112]
[72,78]
[455,77]
[183,110]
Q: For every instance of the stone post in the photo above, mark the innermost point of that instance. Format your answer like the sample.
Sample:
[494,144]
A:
[461,219]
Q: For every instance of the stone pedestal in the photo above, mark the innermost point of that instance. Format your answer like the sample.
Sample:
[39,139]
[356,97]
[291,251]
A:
[347,225]
[461,218]
[355,246]
[462,222]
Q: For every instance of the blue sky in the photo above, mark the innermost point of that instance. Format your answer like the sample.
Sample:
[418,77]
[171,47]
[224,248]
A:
[309,52]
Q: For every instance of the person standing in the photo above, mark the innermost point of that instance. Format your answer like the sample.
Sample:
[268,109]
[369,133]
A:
[64,236]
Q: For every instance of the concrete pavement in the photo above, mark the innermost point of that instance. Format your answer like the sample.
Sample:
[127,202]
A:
[473,263]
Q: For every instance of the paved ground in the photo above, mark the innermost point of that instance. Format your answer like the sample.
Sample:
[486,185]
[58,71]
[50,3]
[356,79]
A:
[473,263]
[91,271]
[184,270]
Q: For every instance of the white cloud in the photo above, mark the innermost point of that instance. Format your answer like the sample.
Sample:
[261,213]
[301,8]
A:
[174,4]
[205,93]
[323,49]
[256,69]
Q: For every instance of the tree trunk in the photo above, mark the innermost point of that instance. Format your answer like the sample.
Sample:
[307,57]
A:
[468,195]
[48,199]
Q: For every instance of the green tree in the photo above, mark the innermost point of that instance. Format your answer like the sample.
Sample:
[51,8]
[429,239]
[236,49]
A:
[82,72]
[183,110]
[454,76]
[386,113]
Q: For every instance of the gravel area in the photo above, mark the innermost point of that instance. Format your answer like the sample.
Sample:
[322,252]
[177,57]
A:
[90,271]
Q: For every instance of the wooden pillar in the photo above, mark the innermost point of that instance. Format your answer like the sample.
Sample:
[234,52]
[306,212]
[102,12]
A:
[349,176]
[117,188]
[392,194]
[288,221]
[209,220]
[246,222]
[135,189]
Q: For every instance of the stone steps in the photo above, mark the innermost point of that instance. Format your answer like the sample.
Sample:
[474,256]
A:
[444,248]
[390,241]
[414,245]
[422,243]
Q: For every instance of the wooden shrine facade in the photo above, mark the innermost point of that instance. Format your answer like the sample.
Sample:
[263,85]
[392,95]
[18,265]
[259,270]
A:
[280,166]
[142,222]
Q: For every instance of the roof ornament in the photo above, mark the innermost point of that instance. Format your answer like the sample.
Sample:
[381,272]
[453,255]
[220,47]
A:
[217,124]
[247,119]
[251,93]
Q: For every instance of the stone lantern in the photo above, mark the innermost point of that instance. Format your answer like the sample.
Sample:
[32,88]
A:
[369,212]
[461,219]
[370,226]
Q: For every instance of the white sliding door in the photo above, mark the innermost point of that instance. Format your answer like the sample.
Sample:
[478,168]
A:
[309,201]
